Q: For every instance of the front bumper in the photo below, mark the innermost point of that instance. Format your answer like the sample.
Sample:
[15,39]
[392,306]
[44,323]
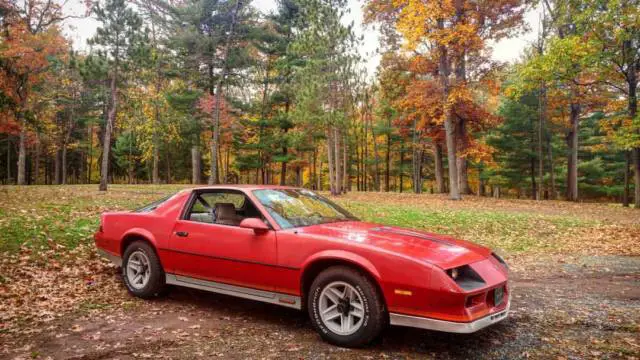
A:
[449,326]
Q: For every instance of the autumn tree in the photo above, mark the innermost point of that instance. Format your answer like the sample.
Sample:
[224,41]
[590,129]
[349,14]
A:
[454,32]
[421,108]
[30,38]
[615,27]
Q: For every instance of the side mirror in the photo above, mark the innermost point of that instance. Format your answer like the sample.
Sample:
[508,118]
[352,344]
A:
[258,226]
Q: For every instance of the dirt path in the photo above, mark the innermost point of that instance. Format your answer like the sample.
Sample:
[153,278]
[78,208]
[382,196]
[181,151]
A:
[586,307]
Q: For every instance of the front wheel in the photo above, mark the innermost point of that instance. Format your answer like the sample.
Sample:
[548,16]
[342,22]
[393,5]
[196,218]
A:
[141,270]
[345,307]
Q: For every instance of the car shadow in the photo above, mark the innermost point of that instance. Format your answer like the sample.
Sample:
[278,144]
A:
[494,342]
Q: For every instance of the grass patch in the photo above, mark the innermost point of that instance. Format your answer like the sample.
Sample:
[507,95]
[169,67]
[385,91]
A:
[512,232]
[37,216]
[37,231]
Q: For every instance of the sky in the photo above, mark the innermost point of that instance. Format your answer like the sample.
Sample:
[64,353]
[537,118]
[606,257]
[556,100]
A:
[506,50]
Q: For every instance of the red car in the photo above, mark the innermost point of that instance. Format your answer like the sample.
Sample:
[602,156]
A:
[292,247]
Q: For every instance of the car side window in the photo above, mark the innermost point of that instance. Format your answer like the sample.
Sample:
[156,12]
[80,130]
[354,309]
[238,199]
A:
[221,207]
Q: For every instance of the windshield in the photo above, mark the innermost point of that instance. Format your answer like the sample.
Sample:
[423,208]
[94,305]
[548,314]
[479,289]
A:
[299,207]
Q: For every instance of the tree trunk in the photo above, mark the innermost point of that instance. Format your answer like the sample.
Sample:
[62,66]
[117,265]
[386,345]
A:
[63,175]
[552,175]
[330,161]
[532,164]
[636,174]
[439,168]
[460,129]
[313,176]
[106,144]
[626,192]
[155,177]
[417,170]
[8,159]
[90,151]
[632,83]
[214,178]
[319,174]
[416,162]
[168,167]
[285,149]
[37,161]
[47,170]
[283,168]
[65,142]
[57,167]
[358,158]
[542,109]
[336,161]
[22,152]
[449,125]
[387,170]
[481,184]
[221,174]
[462,163]
[226,164]
[195,164]
[572,173]
[400,167]
[377,160]
[534,185]
[365,144]
[298,176]
[345,168]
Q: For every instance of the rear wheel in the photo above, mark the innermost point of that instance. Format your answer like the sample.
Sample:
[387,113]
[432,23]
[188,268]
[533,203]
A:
[345,307]
[141,270]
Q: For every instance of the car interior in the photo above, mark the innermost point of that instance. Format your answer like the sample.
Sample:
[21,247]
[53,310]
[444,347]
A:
[222,207]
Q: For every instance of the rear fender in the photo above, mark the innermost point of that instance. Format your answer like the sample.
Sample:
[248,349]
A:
[137,233]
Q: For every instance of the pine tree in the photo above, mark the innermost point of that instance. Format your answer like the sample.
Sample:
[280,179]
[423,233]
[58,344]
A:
[117,38]
[324,98]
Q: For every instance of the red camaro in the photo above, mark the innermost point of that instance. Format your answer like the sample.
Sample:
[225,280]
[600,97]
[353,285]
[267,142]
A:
[292,247]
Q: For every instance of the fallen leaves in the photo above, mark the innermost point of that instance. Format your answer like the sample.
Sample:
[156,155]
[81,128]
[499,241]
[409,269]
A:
[36,291]
[54,286]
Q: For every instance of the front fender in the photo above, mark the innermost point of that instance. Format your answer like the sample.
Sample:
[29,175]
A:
[343,256]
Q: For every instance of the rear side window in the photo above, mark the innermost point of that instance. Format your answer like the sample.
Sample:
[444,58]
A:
[205,201]
[154,205]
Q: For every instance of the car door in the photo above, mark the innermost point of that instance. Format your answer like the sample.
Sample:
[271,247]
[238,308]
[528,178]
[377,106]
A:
[222,253]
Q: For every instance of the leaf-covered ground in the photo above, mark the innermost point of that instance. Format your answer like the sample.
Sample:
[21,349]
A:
[575,279]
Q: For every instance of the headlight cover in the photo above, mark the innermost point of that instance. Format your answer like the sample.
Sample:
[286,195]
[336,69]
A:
[466,277]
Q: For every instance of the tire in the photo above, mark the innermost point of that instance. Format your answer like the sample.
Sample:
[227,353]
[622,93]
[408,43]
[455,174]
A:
[140,252]
[366,303]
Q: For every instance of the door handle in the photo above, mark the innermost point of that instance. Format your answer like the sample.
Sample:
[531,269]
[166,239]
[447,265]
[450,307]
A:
[182,233]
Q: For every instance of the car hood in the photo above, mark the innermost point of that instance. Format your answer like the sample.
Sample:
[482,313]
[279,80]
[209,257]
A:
[441,250]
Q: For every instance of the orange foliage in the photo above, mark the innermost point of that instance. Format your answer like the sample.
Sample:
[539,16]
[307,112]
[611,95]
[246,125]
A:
[29,40]
[207,104]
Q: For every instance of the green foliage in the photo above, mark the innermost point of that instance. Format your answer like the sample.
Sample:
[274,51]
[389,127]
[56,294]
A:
[514,139]
[119,37]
